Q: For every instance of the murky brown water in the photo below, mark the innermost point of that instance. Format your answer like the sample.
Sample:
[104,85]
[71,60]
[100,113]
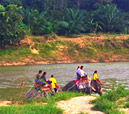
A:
[109,73]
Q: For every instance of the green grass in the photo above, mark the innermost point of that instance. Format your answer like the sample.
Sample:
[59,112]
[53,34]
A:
[13,54]
[36,106]
[98,50]
[7,51]
[53,99]
[127,104]
[23,51]
[108,102]
[31,109]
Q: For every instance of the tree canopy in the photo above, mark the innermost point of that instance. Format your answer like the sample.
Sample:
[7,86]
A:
[64,17]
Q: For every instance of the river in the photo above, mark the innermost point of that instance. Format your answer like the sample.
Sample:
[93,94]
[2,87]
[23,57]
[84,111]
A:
[110,74]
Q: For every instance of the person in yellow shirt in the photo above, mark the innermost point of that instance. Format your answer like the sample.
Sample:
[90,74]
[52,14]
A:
[97,82]
[95,78]
[95,75]
[53,82]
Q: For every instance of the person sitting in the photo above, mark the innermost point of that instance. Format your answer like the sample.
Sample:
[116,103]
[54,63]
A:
[95,78]
[38,83]
[54,85]
[78,72]
[44,78]
[38,77]
[83,74]
[84,77]
[96,82]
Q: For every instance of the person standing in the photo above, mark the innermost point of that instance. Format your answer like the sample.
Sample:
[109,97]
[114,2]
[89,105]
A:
[54,85]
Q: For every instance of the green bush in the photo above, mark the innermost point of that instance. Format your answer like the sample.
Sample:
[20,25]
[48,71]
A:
[103,105]
[2,8]
[113,112]
[12,30]
[108,102]
[127,105]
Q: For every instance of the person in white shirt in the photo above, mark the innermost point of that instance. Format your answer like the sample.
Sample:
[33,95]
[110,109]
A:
[83,74]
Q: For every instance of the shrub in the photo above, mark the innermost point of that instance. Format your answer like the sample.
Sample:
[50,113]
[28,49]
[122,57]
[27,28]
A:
[127,105]
[107,103]
[12,30]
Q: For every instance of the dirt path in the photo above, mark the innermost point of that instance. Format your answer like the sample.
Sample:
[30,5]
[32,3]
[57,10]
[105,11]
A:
[5,103]
[77,105]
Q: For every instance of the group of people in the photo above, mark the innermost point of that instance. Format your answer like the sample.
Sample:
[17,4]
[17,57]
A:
[82,74]
[41,79]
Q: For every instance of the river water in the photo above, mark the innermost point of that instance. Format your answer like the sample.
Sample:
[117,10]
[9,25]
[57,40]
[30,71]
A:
[109,73]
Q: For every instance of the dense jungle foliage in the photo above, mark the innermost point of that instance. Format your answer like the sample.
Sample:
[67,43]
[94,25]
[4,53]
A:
[63,17]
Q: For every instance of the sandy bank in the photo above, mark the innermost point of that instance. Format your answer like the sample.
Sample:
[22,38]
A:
[77,105]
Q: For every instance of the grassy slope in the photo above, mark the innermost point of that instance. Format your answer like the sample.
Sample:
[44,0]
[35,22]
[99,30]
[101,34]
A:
[85,48]
[36,106]
[110,103]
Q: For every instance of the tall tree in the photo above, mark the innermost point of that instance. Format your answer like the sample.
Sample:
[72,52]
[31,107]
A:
[12,30]
[122,4]
[110,18]
[7,2]
[71,23]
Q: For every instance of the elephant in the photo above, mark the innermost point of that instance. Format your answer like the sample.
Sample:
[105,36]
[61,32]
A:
[95,87]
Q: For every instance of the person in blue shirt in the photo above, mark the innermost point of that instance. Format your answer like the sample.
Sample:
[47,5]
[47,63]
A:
[38,77]
[78,72]
[44,78]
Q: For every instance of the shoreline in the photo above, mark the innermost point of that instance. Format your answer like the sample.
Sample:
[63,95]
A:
[54,62]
